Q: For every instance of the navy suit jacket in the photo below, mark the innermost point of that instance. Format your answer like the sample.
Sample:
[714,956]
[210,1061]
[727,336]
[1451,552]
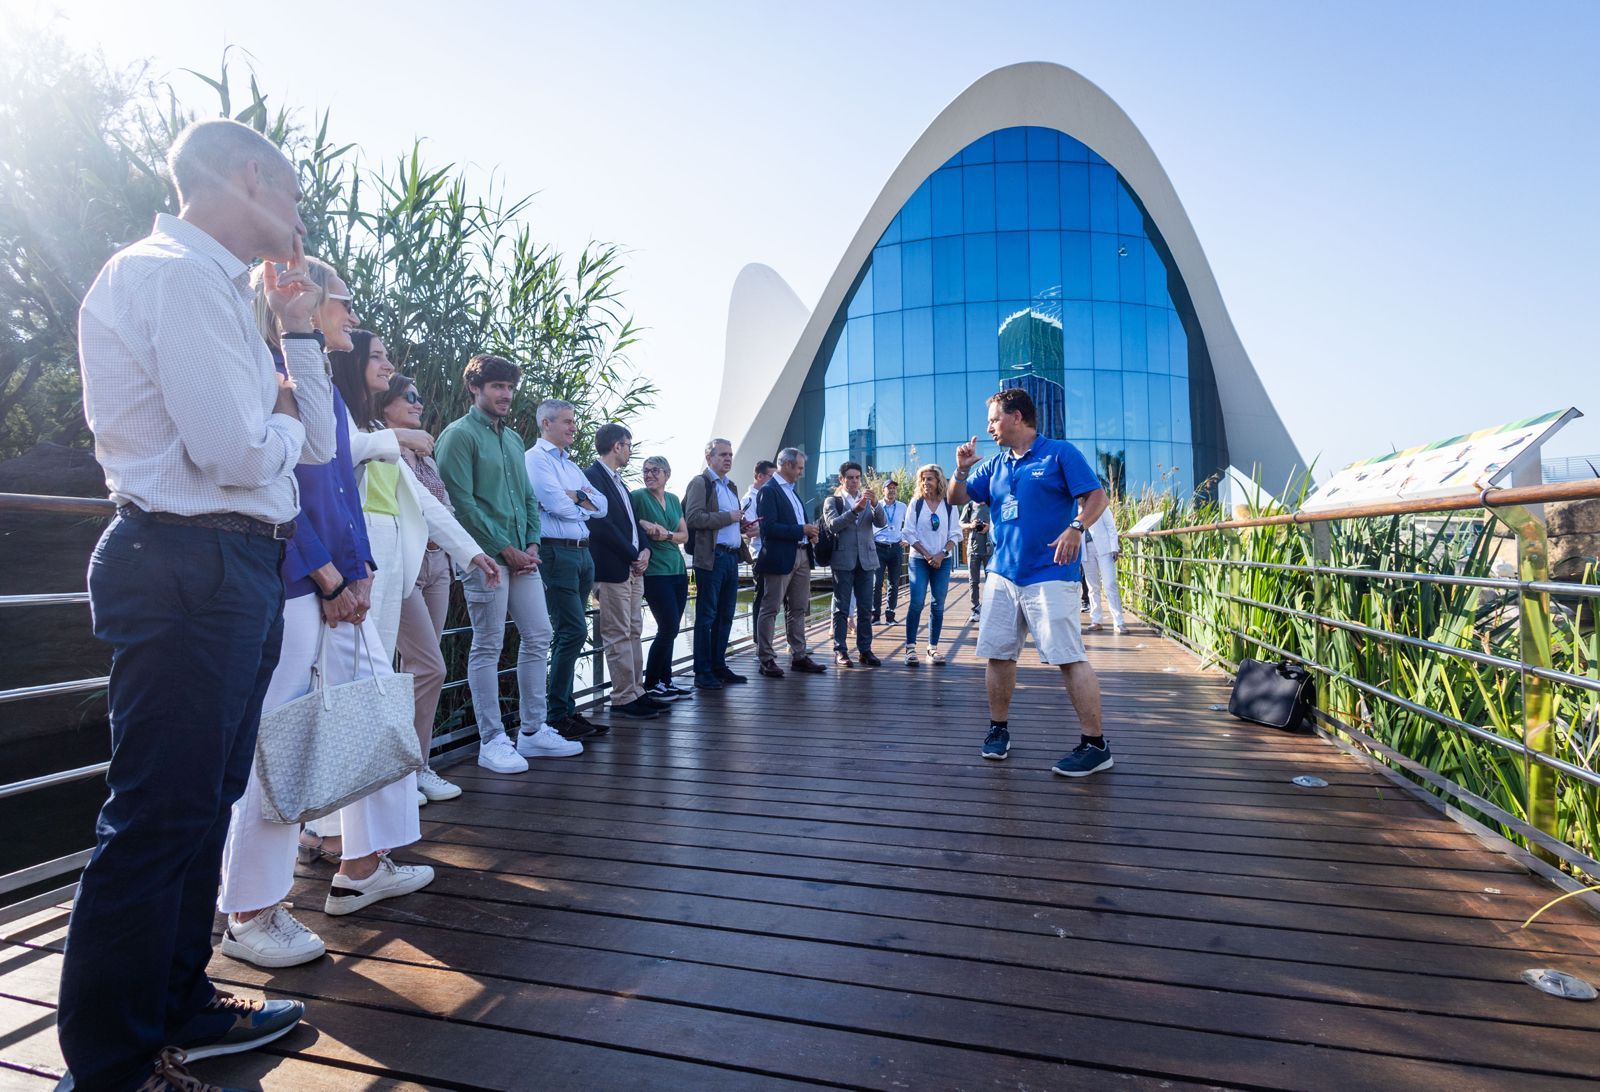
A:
[610,539]
[781,536]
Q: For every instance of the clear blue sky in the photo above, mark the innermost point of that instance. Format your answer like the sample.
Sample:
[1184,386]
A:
[1398,199]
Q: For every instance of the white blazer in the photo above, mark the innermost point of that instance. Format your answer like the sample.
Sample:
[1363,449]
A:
[1104,532]
[422,517]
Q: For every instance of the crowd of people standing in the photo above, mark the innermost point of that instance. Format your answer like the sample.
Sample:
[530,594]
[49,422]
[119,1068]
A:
[284,522]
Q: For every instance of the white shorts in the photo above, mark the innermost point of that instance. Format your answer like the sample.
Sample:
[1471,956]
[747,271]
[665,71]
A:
[1048,610]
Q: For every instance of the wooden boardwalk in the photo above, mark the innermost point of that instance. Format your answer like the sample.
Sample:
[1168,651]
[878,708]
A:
[816,881]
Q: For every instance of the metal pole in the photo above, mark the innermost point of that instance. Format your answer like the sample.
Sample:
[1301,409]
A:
[1538,700]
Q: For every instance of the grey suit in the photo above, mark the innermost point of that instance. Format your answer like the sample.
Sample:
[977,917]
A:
[855,559]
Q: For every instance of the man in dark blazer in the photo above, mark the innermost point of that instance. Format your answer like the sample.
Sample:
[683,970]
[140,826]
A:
[715,520]
[787,556]
[620,551]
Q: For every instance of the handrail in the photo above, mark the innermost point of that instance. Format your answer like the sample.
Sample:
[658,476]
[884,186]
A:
[1488,498]
[71,506]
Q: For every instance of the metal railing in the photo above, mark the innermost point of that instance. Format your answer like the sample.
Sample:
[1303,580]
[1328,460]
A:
[1167,582]
[446,748]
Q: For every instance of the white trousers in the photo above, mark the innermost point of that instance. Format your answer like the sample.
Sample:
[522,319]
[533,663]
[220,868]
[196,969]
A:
[383,534]
[1098,573]
[258,859]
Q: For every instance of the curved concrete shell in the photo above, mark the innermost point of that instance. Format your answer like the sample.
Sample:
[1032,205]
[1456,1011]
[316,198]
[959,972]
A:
[761,381]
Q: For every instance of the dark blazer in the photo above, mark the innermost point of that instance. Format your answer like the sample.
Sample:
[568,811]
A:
[703,518]
[610,539]
[781,536]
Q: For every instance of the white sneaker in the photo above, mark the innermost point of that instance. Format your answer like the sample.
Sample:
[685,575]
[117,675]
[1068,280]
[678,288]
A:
[935,656]
[348,895]
[434,787]
[273,938]
[500,756]
[546,743]
[911,657]
[422,799]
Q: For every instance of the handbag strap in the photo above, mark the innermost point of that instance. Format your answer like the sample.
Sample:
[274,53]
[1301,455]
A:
[319,663]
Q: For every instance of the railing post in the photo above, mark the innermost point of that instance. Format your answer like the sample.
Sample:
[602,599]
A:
[1538,700]
[1321,554]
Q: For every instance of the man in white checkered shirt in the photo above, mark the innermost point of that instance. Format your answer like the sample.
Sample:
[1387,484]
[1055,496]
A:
[199,440]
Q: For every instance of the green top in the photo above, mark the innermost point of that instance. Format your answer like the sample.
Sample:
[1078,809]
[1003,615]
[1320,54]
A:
[482,465]
[382,480]
[666,558]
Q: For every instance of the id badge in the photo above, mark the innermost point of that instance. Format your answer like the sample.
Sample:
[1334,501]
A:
[1008,509]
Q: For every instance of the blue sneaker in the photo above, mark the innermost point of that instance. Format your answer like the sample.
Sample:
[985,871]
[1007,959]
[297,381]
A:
[230,1025]
[997,744]
[1085,759]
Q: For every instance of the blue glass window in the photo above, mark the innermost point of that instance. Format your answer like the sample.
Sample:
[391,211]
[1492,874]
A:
[1010,196]
[980,259]
[1080,403]
[979,151]
[915,218]
[1108,338]
[1016,340]
[1073,148]
[861,299]
[1138,465]
[1155,325]
[1177,346]
[888,400]
[947,202]
[1042,143]
[860,339]
[1010,145]
[1074,197]
[1102,201]
[886,345]
[1044,197]
[1160,408]
[836,418]
[1181,432]
[949,340]
[891,234]
[1108,406]
[1077,331]
[1155,277]
[979,387]
[916,274]
[1130,270]
[1044,264]
[1103,260]
[1130,221]
[1134,358]
[886,279]
[977,199]
[1135,407]
[861,395]
[919,411]
[948,272]
[918,341]
[983,339]
[1011,256]
[950,409]
[1075,265]
[838,372]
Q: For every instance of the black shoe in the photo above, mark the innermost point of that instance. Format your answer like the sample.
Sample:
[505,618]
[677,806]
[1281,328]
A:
[571,728]
[771,670]
[636,709]
[876,619]
[870,660]
[889,618]
[731,678]
[584,722]
[668,691]
[254,1024]
[806,665]
[654,703]
[1086,758]
[707,682]
[842,659]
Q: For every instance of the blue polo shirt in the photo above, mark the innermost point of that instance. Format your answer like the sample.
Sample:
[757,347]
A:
[1031,500]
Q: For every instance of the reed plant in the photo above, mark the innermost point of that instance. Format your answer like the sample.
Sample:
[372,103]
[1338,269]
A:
[1191,586]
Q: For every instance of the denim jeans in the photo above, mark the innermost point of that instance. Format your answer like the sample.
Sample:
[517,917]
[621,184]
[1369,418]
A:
[666,594]
[716,596]
[922,575]
[852,587]
[891,570]
[522,598]
[568,579]
[194,618]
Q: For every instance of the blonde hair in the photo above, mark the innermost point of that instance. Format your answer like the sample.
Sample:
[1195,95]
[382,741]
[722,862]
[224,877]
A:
[322,275]
[938,473]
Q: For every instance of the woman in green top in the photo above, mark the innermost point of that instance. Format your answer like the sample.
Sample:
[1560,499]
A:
[666,579]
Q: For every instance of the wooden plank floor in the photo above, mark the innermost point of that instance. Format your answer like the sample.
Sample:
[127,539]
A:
[817,881]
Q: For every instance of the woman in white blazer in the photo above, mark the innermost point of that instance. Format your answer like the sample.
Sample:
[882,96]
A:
[1100,555]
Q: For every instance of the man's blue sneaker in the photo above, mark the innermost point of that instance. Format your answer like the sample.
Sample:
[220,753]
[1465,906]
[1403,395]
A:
[1086,758]
[997,744]
[230,1025]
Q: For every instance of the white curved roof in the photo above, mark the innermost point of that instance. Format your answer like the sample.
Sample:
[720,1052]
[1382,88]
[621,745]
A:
[760,386]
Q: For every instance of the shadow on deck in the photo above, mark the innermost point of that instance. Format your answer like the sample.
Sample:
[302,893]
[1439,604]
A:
[817,881]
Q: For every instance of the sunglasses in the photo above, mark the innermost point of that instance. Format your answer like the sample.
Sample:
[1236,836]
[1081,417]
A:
[933,521]
[412,397]
[348,301]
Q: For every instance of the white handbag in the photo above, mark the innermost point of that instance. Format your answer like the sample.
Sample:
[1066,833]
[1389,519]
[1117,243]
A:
[336,744]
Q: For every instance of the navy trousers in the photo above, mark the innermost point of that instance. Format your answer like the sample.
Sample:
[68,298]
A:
[194,618]
[716,596]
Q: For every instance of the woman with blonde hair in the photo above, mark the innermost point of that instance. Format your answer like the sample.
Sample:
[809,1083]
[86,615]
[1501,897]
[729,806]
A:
[931,529]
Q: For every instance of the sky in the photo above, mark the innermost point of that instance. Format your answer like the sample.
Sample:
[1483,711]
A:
[1398,199]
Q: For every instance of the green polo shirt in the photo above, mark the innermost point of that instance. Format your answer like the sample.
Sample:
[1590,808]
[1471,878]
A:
[482,465]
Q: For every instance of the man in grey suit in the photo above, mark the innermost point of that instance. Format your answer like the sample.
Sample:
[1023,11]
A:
[851,515]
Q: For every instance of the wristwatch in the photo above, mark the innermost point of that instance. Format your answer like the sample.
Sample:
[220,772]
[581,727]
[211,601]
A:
[1076,525]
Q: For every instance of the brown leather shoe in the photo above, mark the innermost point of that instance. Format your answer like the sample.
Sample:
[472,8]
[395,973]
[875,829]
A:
[771,670]
[808,666]
[870,660]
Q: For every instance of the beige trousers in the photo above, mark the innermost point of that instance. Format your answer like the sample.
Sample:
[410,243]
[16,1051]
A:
[621,627]
[792,592]
[422,615]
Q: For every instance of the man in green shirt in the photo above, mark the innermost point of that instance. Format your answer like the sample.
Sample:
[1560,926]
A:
[481,462]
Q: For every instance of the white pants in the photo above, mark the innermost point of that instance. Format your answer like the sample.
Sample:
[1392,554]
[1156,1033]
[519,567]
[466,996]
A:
[383,535]
[1101,572]
[258,859]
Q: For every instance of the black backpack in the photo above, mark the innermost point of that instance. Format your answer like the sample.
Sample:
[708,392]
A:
[827,541]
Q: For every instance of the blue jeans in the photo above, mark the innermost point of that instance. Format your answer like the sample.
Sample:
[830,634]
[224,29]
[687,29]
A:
[852,586]
[923,574]
[194,618]
[716,596]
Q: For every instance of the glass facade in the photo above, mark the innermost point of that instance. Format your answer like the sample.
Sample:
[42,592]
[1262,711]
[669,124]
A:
[1026,260]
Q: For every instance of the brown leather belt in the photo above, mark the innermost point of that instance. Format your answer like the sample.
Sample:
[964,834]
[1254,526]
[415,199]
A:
[218,521]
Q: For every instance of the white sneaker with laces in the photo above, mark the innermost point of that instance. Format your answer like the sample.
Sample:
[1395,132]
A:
[348,895]
[434,787]
[546,743]
[911,657]
[1122,630]
[273,938]
[935,656]
[501,756]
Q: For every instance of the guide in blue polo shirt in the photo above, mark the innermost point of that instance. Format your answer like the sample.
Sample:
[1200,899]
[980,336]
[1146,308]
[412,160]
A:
[1041,493]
